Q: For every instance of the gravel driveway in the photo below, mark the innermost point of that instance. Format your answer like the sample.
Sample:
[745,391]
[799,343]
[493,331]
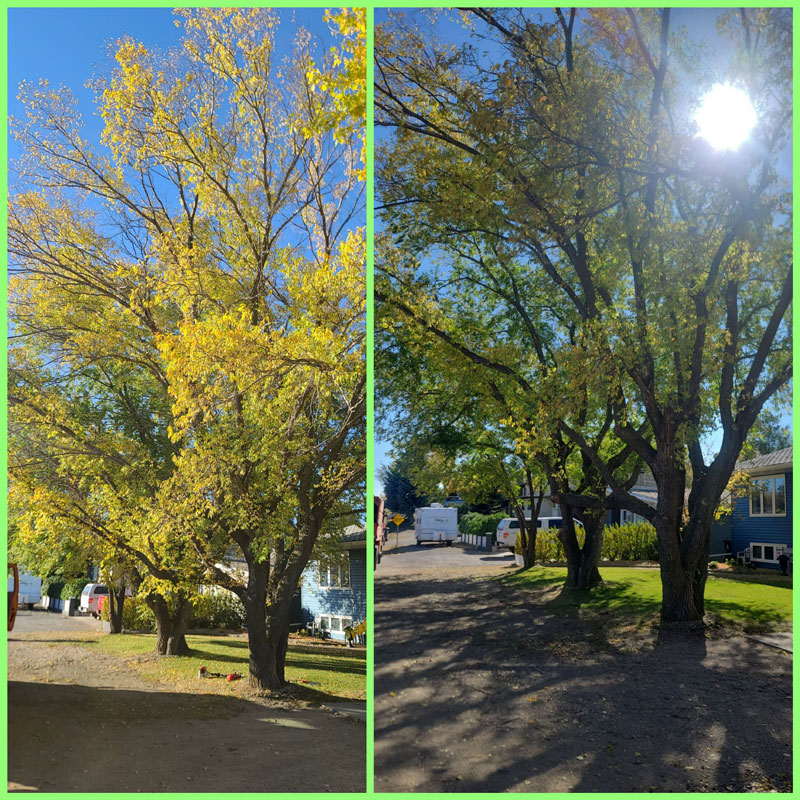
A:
[481,689]
[83,721]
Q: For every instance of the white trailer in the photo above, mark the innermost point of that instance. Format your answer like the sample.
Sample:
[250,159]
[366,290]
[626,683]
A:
[435,523]
[30,589]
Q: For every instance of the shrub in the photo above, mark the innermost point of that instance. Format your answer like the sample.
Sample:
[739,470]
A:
[220,610]
[51,587]
[474,523]
[548,545]
[634,541]
[136,614]
[73,588]
[712,565]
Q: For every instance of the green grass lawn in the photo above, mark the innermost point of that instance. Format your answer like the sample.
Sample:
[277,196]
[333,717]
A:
[629,591]
[320,673]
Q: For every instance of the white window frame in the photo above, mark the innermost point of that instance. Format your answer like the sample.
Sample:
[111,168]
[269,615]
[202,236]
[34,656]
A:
[343,622]
[342,570]
[778,548]
[773,513]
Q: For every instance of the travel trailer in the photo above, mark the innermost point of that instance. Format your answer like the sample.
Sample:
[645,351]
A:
[435,523]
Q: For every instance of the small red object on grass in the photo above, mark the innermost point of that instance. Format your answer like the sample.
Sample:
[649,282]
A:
[233,676]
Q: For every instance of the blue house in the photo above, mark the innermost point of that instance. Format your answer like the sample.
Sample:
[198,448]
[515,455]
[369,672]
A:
[335,595]
[761,523]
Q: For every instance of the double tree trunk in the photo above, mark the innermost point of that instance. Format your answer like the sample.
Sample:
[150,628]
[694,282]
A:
[683,569]
[264,674]
[582,569]
[267,631]
[171,625]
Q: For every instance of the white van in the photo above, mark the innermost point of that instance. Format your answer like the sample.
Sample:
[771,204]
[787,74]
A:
[509,527]
[90,598]
[435,523]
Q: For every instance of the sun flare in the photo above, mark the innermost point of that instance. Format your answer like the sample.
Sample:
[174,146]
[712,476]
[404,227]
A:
[725,117]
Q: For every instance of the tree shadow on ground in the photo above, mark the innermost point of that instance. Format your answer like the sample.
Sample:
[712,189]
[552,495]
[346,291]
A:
[776,581]
[42,640]
[68,738]
[475,693]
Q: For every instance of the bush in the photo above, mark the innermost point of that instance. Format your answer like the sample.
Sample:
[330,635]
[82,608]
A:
[222,610]
[51,587]
[712,565]
[634,541]
[73,588]
[474,523]
[136,614]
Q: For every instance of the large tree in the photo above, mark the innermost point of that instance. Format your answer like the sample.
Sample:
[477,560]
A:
[567,150]
[210,246]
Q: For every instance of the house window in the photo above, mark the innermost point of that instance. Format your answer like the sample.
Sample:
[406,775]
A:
[768,496]
[628,517]
[334,576]
[760,551]
[334,623]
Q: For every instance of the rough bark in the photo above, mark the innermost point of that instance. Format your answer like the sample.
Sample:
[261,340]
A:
[116,602]
[528,529]
[171,625]
[265,672]
[677,590]
[582,570]
[588,572]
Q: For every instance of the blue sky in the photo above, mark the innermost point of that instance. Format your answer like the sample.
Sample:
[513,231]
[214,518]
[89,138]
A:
[71,45]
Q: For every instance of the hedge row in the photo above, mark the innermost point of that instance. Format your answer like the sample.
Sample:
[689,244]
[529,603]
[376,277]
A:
[634,541]
[222,610]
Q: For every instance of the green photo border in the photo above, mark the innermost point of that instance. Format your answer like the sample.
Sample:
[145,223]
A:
[371,7]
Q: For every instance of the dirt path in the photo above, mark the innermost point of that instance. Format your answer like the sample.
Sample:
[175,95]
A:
[478,690]
[82,721]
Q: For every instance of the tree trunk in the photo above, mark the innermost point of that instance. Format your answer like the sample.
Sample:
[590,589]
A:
[678,603]
[582,571]
[528,528]
[588,572]
[264,672]
[170,625]
[278,635]
[116,600]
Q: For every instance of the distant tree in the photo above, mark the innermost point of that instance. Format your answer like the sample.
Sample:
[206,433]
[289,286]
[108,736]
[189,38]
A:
[767,435]
[402,495]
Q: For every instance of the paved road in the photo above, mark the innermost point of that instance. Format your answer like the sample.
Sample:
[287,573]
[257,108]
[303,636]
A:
[481,688]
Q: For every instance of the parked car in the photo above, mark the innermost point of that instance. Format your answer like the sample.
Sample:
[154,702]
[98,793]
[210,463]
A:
[103,599]
[90,598]
[508,528]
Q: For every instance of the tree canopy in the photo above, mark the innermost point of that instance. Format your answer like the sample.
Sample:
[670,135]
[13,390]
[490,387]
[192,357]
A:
[186,367]
[559,233]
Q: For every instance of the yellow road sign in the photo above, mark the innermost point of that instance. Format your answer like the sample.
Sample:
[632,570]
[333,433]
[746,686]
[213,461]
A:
[398,518]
